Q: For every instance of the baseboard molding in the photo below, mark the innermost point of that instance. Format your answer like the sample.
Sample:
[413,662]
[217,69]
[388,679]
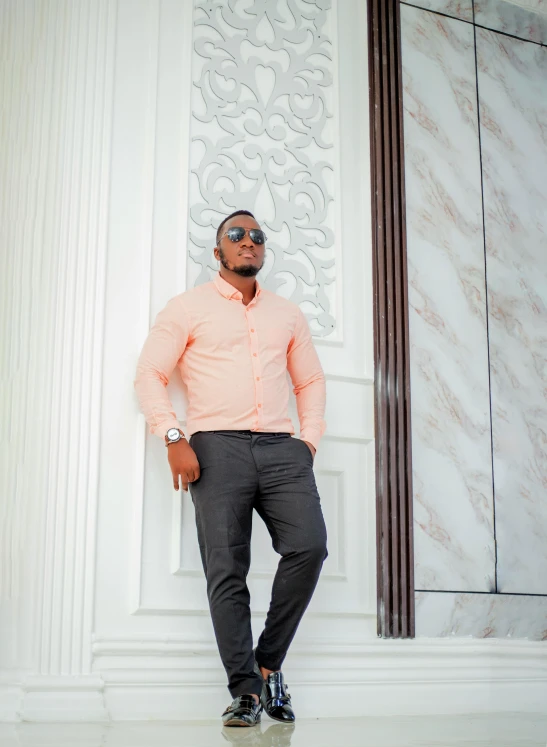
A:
[173,680]
[48,698]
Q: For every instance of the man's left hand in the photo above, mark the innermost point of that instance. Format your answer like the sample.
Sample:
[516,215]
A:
[311,447]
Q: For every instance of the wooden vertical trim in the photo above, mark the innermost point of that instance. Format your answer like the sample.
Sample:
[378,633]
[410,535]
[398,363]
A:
[395,566]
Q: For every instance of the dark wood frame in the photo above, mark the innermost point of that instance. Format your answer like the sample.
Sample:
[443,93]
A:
[395,556]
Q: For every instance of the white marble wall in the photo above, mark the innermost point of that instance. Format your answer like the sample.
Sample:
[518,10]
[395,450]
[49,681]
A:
[481,615]
[513,100]
[453,504]
[462,9]
[478,318]
[526,19]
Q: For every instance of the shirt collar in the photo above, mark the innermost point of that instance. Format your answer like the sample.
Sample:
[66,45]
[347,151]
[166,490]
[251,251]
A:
[228,290]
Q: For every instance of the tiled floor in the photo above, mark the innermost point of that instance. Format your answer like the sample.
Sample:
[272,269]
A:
[507,730]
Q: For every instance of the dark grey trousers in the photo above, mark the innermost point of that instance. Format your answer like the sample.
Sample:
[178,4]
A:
[272,473]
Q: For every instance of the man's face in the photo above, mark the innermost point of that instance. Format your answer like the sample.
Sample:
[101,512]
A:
[242,257]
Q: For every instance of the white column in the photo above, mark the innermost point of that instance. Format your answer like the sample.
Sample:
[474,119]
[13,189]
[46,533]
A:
[56,84]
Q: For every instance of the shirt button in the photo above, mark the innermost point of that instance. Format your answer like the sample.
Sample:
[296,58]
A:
[258,378]
[260,405]
[254,355]
[252,330]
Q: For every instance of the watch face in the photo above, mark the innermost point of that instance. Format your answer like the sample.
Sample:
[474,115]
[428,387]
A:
[172,434]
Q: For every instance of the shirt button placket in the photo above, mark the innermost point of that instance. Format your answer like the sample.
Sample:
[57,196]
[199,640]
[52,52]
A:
[256,368]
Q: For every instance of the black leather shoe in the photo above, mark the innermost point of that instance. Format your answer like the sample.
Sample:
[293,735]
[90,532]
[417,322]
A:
[243,711]
[276,699]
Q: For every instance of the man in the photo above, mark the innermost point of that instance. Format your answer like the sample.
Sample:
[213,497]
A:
[233,342]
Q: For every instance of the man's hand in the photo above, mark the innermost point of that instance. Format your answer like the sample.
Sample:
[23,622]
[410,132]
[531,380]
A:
[183,462]
[311,447]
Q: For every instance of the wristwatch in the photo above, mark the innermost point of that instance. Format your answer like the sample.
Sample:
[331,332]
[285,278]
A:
[173,435]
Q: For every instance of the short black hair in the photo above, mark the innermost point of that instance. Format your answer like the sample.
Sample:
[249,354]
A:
[227,218]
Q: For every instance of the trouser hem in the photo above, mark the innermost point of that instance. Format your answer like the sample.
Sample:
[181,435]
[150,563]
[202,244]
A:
[274,666]
[253,685]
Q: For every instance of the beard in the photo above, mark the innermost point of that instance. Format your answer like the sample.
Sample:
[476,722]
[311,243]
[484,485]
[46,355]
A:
[246,271]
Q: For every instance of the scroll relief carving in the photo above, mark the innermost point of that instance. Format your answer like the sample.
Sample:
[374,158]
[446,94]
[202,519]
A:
[262,140]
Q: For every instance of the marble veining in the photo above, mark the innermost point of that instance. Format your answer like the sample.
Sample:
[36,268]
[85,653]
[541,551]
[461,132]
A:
[513,103]
[453,502]
[526,19]
[442,614]
[462,9]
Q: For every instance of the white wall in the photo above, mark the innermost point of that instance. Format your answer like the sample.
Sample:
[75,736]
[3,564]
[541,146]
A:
[152,622]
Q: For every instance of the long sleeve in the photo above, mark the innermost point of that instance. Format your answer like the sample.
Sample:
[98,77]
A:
[308,380]
[161,351]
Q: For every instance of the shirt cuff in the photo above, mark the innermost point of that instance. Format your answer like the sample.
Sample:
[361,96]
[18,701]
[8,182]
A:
[313,436]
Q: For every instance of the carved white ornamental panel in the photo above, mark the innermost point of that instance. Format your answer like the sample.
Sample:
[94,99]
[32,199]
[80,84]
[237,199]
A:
[262,140]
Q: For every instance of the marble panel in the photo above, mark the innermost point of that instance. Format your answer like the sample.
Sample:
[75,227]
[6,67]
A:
[462,9]
[513,114]
[453,503]
[442,614]
[526,19]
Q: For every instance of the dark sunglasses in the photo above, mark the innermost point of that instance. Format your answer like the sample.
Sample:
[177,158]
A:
[236,233]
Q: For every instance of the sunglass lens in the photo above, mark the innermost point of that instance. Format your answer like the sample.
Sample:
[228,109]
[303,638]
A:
[235,234]
[257,236]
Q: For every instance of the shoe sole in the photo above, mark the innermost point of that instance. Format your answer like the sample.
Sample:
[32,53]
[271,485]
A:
[239,722]
[279,720]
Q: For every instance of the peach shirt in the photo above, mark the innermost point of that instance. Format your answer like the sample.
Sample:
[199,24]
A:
[233,360]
